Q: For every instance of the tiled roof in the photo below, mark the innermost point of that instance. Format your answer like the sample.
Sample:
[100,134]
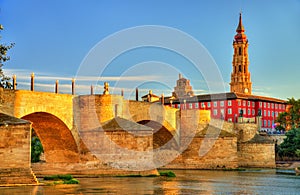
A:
[225,96]
[10,120]
[119,123]
[151,95]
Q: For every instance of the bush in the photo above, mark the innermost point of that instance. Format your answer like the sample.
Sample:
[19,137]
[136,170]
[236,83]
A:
[58,177]
[66,179]
[167,173]
[291,145]
[36,149]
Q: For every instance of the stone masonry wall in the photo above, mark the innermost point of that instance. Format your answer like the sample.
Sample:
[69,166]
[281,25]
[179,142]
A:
[122,149]
[92,110]
[257,155]
[15,155]
[202,152]
[7,101]
[15,146]
[222,154]
[246,131]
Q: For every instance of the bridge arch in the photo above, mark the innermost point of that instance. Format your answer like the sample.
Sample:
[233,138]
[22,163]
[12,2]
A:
[57,140]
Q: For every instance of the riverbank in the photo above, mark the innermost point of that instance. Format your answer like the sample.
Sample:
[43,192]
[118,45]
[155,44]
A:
[287,164]
[264,181]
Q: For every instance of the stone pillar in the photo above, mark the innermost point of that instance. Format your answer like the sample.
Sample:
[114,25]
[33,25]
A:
[162,99]
[32,82]
[106,88]
[73,86]
[56,86]
[259,122]
[116,110]
[92,90]
[14,82]
[136,94]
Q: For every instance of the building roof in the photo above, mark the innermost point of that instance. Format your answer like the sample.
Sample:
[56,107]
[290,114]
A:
[10,120]
[119,123]
[151,95]
[225,96]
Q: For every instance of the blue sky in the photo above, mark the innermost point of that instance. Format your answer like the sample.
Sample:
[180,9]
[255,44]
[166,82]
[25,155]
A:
[54,38]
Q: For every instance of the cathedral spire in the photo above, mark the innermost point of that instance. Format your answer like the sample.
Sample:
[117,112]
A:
[240,28]
[240,36]
[240,76]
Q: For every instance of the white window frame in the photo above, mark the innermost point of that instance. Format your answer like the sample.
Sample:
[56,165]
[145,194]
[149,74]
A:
[229,111]
[215,104]
[215,112]
[229,103]
[222,103]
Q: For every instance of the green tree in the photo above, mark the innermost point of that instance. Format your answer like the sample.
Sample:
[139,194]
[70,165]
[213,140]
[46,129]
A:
[290,118]
[5,80]
[36,149]
[290,147]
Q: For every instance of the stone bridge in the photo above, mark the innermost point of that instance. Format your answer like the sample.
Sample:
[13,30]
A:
[59,119]
[115,132]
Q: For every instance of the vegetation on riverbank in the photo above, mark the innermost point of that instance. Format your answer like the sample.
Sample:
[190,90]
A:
[167,173]
[161,173]
[36,148]
[61,179]
[290,148]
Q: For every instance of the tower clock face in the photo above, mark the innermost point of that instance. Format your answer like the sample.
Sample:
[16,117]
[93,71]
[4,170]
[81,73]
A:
[246,90]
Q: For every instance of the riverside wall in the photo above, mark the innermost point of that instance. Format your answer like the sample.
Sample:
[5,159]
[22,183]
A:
[15,153]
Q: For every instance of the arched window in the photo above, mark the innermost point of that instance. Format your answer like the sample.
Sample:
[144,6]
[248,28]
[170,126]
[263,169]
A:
[240,51]
[240,68]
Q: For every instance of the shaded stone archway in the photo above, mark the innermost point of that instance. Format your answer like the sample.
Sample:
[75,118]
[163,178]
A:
[57,140]
[162,137]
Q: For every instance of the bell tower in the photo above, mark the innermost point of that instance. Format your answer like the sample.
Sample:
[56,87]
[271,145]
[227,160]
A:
[240,76]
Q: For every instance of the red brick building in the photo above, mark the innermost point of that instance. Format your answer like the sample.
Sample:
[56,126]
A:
[228,106]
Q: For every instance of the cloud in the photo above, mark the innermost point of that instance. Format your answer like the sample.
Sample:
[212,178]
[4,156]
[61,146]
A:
[46,82]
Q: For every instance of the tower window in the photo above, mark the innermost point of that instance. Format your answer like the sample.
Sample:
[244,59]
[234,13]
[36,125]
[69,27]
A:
[240,68]
[240,51]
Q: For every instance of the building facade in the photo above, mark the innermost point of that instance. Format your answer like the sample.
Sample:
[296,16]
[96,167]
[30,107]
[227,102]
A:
[234,107]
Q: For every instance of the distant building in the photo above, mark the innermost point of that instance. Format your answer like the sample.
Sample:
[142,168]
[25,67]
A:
[239,103]
[183,88]
[150,97]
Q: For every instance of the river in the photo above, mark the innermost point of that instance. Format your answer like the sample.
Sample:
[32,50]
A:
[265,181]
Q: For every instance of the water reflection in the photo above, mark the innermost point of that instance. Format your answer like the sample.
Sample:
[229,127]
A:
[186,182]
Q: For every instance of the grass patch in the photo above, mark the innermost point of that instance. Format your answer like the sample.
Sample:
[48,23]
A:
[137,175]
[134,175]
[71,181]
[167,173]
[61,179]
[236,169]
[58,177]
[151,175]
